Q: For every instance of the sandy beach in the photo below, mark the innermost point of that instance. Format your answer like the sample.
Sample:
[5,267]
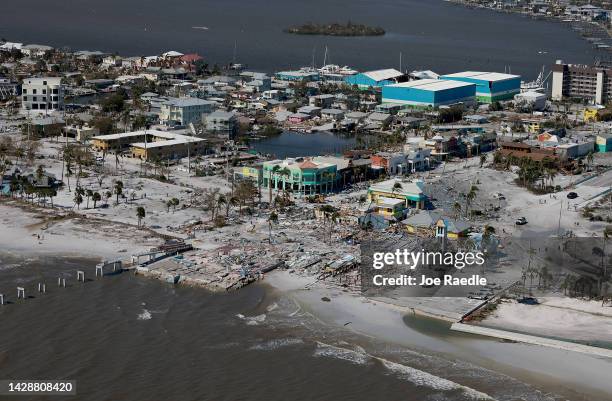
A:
[391,324]
[38,231]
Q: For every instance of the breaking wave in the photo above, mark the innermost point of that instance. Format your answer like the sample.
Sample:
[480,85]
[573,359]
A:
[145,315]
[277,343]
[356,357]
[252,320]
[418,377]
[421,378]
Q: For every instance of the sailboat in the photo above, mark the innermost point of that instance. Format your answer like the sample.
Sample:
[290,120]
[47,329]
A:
[334,68]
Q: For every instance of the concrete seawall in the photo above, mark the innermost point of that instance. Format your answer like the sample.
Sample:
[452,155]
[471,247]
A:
[529,339]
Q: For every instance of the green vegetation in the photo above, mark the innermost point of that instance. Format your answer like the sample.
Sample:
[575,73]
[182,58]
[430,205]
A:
[335,29]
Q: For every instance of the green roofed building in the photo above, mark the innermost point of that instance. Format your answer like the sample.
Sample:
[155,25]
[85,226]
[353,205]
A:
[410,192]
[300,175]
[490,86]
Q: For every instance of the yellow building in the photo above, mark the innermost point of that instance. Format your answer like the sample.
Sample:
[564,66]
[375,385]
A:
[171,149]
[390,207]
[430,224]
[590,114]
[150,144]
[532,126]
[246,172]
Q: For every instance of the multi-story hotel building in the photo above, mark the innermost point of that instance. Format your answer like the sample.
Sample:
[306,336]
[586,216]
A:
[592,83]
[42,94]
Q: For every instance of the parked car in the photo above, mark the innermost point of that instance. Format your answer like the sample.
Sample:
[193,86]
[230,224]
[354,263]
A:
[572,195]
[521,221]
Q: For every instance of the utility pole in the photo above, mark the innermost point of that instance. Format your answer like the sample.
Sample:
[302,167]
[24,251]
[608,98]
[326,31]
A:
[559,226]
[188,157]
[400,65]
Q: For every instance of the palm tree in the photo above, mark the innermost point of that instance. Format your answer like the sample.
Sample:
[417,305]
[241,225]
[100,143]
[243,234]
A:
[51,193]
[271,172]
[333,219]
[286,173]
[222,201]
[590,159]
[457,209]
[40,172]
[233,201]
[552,173]
[483,159]
[497,158]
[118,189]
[96,198]
[88,194]
[140,213]
[396,187]
[468,200]
[272,219]
[68,170]
[78,199]
[175,202]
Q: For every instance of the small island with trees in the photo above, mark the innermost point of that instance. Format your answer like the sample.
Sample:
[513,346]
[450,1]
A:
[336,29]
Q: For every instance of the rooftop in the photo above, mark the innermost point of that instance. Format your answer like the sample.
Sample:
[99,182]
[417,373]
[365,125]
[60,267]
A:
[381,75]
[187,101]
[412,187]
[484,76]
[153,132]
[181,139]
[432,84]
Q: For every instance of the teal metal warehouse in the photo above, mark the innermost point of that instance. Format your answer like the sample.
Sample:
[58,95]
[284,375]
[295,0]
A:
[490,86]
[429,93]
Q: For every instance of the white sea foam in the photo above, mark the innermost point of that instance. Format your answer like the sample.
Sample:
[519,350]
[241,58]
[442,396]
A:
[418,377]
[277,343]
[272,307]
[145,315]
[326,350]
[421,378]
[254,320]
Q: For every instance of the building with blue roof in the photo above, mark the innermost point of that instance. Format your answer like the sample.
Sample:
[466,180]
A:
[375,79]
[298,76]
[490,86]
[426,93]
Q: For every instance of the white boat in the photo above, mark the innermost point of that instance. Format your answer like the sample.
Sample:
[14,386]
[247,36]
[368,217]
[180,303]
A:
[538,85]
[336,69]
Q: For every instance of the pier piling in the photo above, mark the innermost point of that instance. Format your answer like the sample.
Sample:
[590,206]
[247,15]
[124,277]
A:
[20,292]
[42,288]
[100,269]
[1,299]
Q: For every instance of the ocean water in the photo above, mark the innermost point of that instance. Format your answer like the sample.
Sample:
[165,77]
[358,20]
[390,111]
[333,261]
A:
[293,144]
[430,34]
[130,338]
